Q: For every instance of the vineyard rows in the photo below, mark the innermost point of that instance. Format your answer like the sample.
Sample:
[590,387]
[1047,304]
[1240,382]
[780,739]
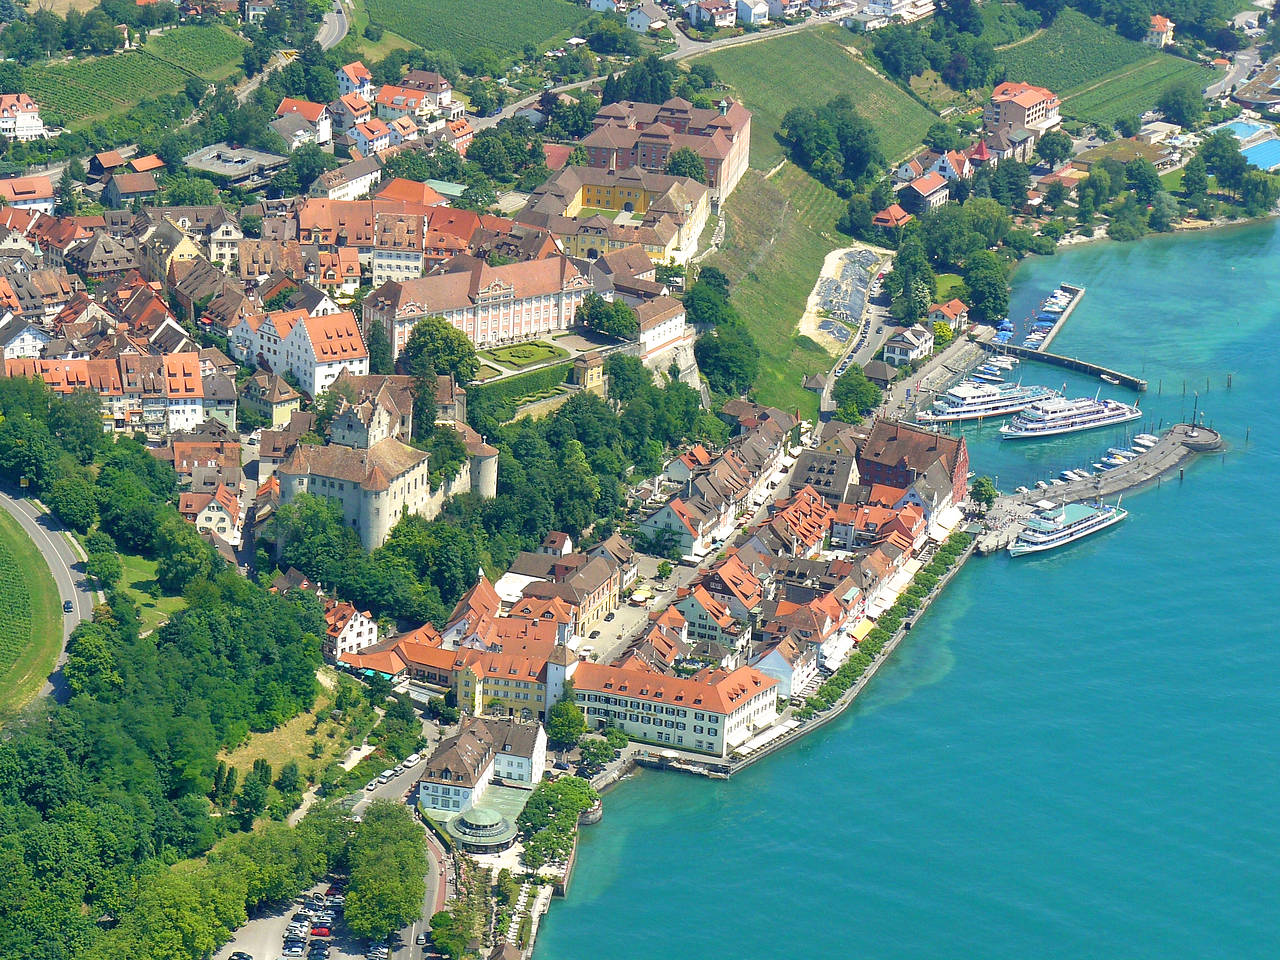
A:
[207,51]
[86,88]
[1075,52]
[464,26]
[15,611]
[1135,90]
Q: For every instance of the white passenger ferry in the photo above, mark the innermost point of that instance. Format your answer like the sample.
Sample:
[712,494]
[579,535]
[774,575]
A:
[1046,418]
[1054,526]
[976,401]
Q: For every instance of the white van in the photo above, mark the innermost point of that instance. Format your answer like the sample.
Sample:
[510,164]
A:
[385,776]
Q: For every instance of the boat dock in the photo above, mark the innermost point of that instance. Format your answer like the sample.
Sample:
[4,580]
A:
[1179,444]
[1077,294]
[1069,363]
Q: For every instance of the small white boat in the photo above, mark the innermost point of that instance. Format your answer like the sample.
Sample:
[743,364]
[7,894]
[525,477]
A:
[1122,453]
[1068,475]
[1110,379]
[1021,490]
[1101,467]
[1115,461]
[1041,485]
[1058,483]
[1147,438]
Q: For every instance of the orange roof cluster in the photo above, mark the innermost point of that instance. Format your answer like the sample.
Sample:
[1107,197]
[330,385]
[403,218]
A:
[717,691]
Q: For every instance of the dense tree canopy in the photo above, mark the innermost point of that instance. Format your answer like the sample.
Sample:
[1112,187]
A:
[833,141]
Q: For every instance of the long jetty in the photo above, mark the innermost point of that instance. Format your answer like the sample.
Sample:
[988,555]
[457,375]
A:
[1070,363]
[1180,443]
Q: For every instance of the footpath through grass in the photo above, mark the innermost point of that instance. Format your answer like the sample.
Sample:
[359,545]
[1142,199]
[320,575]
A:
[778,231]
[812,67]
[30,617]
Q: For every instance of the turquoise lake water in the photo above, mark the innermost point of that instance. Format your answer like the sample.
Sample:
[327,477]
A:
[1073,755]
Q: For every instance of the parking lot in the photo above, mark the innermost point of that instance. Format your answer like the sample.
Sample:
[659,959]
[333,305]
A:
[263,937]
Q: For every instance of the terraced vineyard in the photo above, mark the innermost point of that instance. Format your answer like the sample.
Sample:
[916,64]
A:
[30,631]
[100,85]
[1134,89]
[212,52]
[92,88]
[464,26]
[1075,52]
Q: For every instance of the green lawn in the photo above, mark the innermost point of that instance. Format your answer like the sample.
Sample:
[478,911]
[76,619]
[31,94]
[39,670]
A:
[139,576]
[30,617]
[523,355]
[809,67]
[947,282]
[777,233]
[486,372]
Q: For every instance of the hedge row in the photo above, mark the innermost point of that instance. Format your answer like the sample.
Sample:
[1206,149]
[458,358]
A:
[499,400]
[924,582]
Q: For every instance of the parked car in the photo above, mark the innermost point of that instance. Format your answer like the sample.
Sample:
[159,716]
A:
[609,616]
[594,634]
[399,769]
[412,759]
[371,785]
[240,955]
[320,931]
[385,776]
[422,940]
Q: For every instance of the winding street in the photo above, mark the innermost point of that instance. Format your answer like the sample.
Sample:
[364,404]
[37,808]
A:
[68,573]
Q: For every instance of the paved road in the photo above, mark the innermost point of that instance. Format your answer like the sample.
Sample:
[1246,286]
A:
[334,28]
[1244,62]
[68,574]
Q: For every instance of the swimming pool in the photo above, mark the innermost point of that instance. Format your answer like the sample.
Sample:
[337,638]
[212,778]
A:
[1243,130]
[1265,155]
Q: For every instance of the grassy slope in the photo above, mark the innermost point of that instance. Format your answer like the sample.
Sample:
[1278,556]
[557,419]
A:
[293,741]
[778,232]
[812,66]
[22,678]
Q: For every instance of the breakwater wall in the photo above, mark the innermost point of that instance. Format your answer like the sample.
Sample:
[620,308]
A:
[1068,363]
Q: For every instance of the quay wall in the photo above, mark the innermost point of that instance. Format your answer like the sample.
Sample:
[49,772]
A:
[1069,363]
[1179,444]
[851,694]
